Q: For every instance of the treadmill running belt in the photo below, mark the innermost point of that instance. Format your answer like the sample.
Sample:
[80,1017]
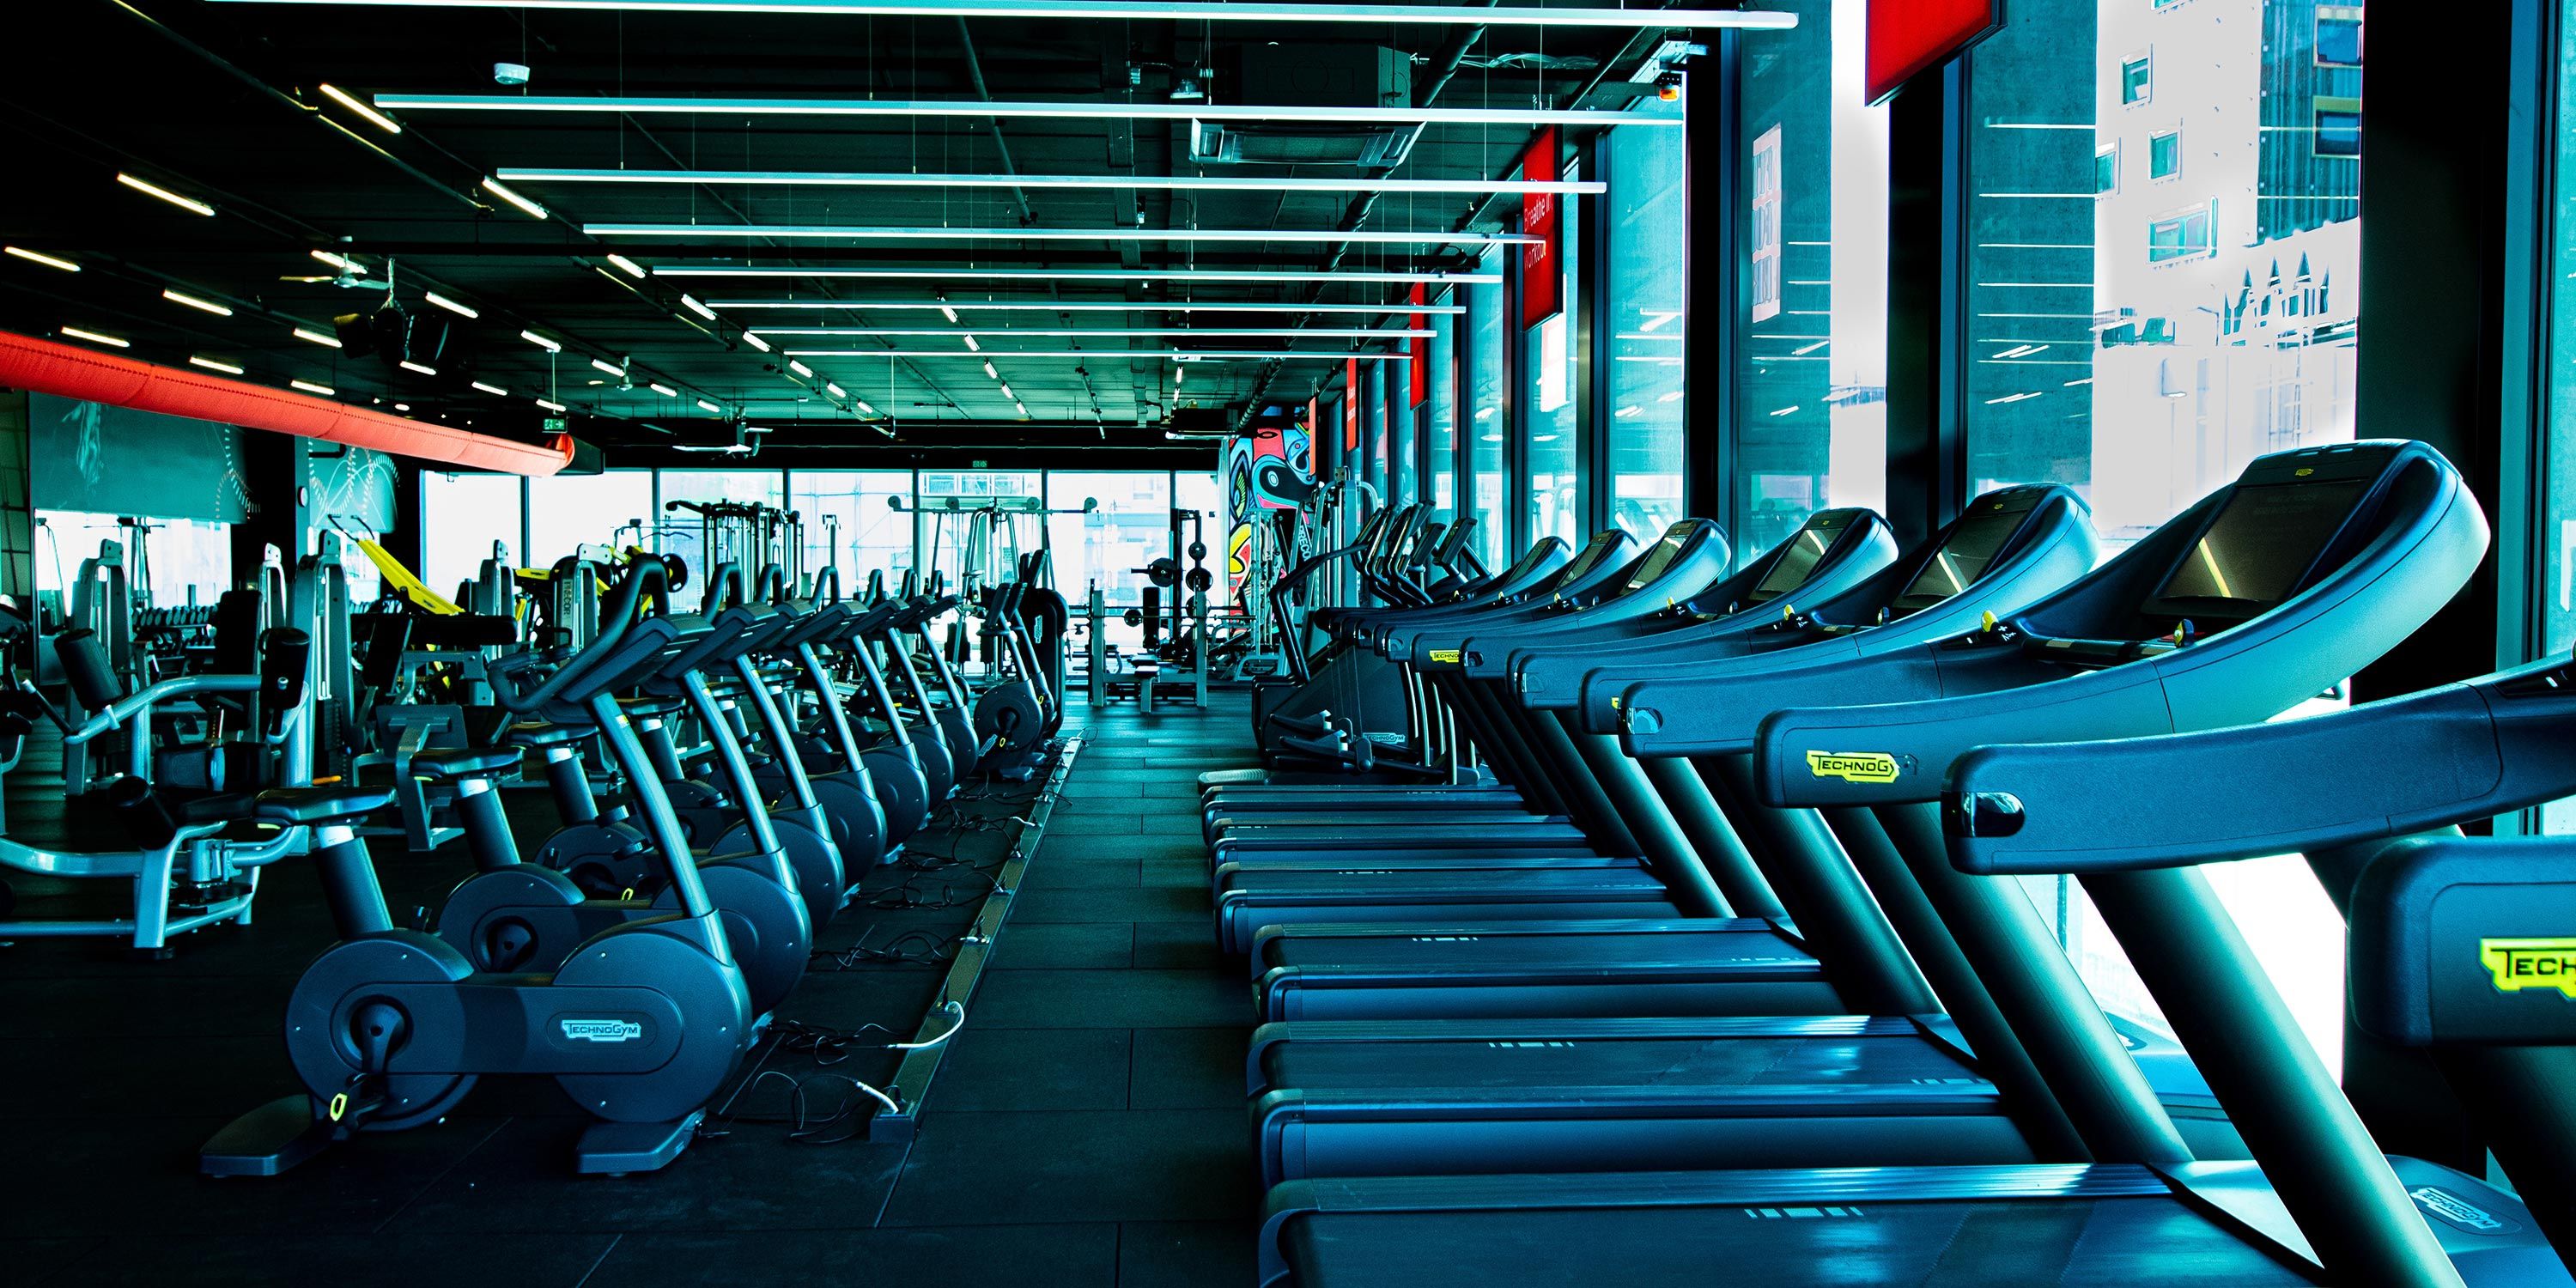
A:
[1628,1062]
[1553,951]
[2066,1243]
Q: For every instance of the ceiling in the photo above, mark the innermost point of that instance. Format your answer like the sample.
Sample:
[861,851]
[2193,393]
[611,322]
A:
[221,103]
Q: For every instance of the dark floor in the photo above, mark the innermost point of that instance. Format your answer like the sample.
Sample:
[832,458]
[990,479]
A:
[1087,1128]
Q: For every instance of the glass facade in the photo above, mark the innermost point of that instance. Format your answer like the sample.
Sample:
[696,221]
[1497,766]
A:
[1112,545]
[461,517]
[680,531]
[1811,428]
[1440,444]
[1486,425]
[570,511]
[850,524]
[1648,434]
[2165,246]
[1551,436]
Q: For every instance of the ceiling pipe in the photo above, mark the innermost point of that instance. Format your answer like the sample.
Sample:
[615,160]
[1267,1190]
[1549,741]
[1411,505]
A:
[47,366]
[1001,148]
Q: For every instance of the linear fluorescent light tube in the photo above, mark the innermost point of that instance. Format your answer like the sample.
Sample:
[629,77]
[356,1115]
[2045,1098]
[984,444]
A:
[624,265]
[1098,355]
[449,305]
[323,338]
[824,231]
[150,189]
[865,409]
[755,342]
[211,364]
[1177,182]
[371,115]
[1026,110]
[691,303]
[95,337]
[835,390]
[800,368]
[421,367]
[527,207]
[704,405]
[1024,408]
[609,367]
[1089,275]
[1810,348]
[664,390]
[309,387]
[550,346]
[1236,332]
[182,297]
[947,312]
[39,257]
[494,390]
[1148,11]
[1090,306]
[550,404]
[1006,391]
[988,369]
[340,262]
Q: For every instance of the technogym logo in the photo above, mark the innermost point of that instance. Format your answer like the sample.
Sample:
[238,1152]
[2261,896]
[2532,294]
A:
[601,1030]
[1853,766]
[2518,964]
[1444,657]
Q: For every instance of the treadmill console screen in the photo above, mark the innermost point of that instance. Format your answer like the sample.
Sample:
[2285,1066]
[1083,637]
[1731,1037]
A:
[1667,548]
[1799,554]
[1595,553]
[2262,541]
[1961,559]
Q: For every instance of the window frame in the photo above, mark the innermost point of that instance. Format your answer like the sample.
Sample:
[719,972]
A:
[2172,138]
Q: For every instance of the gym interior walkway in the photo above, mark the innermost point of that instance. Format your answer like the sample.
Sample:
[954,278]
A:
[1087,1128]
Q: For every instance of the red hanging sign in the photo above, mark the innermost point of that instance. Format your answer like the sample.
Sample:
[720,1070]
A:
[1908,37]
[1542,279]
[1420,348]
[1314,422]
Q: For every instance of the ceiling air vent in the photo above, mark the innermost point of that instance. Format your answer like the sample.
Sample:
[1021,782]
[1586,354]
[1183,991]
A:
[1286,75]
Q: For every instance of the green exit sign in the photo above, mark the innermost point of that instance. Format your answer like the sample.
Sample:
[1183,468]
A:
[557,424]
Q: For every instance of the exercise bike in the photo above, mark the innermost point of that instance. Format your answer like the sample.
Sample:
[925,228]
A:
[389,1029]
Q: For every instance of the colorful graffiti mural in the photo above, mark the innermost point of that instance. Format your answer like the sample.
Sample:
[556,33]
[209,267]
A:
[1269,476]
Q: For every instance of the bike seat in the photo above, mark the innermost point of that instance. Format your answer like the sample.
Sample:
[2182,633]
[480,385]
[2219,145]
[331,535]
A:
[336,803]
[538,733]
[448,764]
[652,706]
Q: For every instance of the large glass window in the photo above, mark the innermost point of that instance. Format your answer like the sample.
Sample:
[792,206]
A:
[1198,492]
[567,512]
[1647,433]
[949,541]
[461,517]
[2556,530]
[1812,383]
[2142,342]
[1551,448]
[1488,463]
[184,561]
[682,532]
[1440,450]
[849,523]
[1112,545]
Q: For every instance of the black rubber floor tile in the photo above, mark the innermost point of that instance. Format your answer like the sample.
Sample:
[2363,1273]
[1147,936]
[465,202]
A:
[1074,1256]
[29,1260]
[1182,869]
[1110,999]
[1018,1069]
[1177,822]
[1186,1254]
[1055,869]
[751,1178]
[541,1259]
[1067,825]
[79,1077]
[1085,787]
[1064,945]
[1137,904]
[1015,1169]
[159,1005]
[98,1174]
[1189,1068]
[896,998]
[1184,945]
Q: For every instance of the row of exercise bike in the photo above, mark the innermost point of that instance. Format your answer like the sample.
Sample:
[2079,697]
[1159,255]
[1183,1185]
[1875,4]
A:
[1647,916]
[635,954]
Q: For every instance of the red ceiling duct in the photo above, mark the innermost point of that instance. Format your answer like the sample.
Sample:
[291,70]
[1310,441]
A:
[47,366]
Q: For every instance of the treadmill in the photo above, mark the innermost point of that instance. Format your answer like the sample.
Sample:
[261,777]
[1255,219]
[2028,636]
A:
[1762,1065]
[1681,564]
[2006,550]
[2308,567]
[1456,875]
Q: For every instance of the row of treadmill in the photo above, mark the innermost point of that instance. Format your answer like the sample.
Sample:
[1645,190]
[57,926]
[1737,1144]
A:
[1682,945]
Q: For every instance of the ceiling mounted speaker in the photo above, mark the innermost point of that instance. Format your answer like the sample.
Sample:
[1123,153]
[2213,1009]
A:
[357,336]
[390,334]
